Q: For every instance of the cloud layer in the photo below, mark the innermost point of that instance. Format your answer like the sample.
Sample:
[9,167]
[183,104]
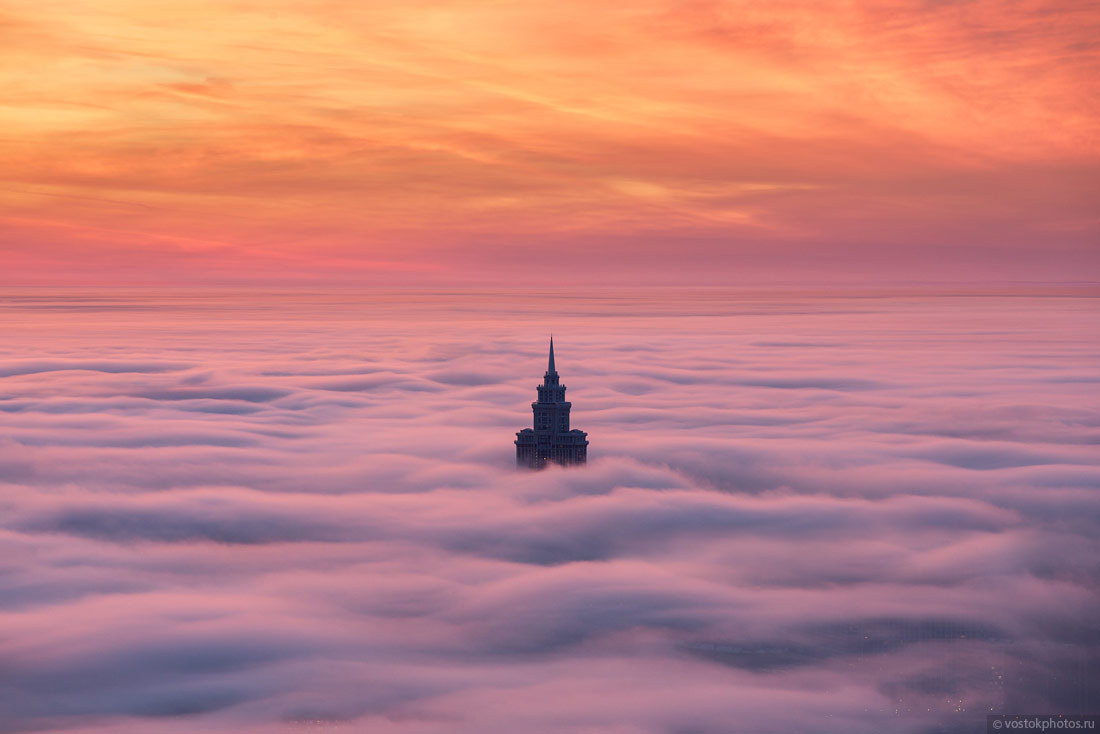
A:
[804,512]
[653,140]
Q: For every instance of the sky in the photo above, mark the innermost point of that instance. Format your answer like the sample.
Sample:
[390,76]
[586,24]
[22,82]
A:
[802,512]
[644,141]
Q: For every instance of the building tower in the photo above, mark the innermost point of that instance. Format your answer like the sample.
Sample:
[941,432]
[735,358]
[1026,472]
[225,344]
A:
[551,440]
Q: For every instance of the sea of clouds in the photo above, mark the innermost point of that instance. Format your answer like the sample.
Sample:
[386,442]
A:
[803,512]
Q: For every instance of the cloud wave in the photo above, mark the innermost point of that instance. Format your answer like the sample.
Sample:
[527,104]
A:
[824,514]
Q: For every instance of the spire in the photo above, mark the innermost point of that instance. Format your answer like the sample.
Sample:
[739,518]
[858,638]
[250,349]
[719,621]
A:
[550,368]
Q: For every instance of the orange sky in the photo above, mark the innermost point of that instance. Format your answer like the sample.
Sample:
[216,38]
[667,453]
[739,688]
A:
[478,141]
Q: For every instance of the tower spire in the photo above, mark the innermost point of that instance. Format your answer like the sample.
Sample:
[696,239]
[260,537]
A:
[551,440]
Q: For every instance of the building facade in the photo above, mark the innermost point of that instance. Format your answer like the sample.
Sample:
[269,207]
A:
[551,440]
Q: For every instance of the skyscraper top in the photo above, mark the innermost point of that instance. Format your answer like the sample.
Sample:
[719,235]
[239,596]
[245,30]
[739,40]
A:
[551,440]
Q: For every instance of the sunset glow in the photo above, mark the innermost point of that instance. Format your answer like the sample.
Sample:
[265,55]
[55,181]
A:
[433,142]
[292,293]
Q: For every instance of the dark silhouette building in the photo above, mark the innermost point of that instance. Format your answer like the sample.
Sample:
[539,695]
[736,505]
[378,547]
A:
[551,440]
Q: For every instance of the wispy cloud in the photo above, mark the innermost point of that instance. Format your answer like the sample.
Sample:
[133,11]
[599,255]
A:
[175,142]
